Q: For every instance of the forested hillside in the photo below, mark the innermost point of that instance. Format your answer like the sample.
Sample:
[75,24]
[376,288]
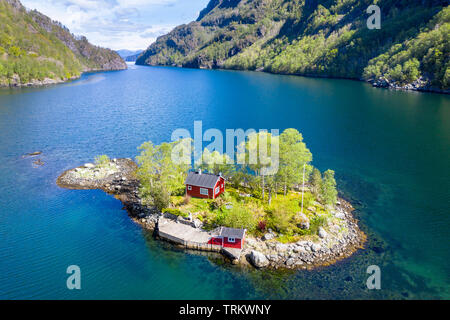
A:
[317,37]
[36,50]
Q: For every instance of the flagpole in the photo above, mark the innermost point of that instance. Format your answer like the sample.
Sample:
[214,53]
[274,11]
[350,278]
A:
[303,187]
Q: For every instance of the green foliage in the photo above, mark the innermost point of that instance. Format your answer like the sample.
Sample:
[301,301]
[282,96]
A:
[259,155]
[158,171]
[218,203]
[428,52]
[329,192]
[239,217]
[226,196]
[325,38]
[308,200]
[33,48]
[316,182]
[282,217]
[293,156]
[102,161]
[288,238]
[215,163]
[15,51]
[30,52]
[175,212]
[157,196]
[317,222]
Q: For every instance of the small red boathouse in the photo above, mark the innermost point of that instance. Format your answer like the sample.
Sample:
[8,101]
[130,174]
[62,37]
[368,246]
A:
[229,238]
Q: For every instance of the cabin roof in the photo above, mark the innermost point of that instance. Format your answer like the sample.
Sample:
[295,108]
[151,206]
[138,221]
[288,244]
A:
[204,180]
[232,233]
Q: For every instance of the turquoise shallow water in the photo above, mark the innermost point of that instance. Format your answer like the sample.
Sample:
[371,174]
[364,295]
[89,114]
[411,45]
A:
[390,151]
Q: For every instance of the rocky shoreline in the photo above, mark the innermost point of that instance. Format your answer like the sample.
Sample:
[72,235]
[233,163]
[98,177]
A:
[14,82]
[421,85]
[336,241]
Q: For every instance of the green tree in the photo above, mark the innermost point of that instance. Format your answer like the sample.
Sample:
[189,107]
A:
[316,182]
[411,70]
[160,197]
[158,171]
[329,192]
[293,155]
[215,163]
[260,153]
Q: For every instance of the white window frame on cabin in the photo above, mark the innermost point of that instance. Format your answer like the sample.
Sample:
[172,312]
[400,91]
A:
[232,240]
[217,190]
[189,188]
[202,192]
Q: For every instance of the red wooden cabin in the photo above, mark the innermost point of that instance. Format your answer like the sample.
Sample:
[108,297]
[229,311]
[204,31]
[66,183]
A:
[204,185]
[229,238]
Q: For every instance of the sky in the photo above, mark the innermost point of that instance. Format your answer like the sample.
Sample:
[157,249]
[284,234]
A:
[120,24]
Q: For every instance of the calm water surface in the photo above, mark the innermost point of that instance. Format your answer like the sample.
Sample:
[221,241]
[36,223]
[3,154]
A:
[390,151]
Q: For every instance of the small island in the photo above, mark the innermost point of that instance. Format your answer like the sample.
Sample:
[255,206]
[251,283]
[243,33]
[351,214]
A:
[291,219]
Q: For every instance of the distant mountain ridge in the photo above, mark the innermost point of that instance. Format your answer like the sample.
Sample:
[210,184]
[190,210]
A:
[35,50]
[327,38]
[129,55]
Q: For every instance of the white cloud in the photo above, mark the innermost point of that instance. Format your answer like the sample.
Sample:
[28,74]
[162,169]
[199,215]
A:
[119,24]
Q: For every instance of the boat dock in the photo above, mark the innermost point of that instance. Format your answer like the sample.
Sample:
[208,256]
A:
[192,238]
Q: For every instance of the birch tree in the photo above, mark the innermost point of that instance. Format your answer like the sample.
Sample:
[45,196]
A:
[293,155]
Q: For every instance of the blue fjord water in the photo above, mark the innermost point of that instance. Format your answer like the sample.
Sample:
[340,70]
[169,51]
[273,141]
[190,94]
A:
[390,151]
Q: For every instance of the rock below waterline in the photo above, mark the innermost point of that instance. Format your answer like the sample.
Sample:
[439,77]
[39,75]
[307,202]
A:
[38,162]
[33,154]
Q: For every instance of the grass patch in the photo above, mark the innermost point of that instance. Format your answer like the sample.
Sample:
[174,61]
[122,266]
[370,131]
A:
[176,212]
[285,238]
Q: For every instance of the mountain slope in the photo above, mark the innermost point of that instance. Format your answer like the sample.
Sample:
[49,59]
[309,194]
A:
[36,50]
[128,55]
[319,38]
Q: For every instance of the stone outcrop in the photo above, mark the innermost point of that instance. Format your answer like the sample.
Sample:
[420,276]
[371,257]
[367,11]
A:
[421,84]
[119,180]
[258,259]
